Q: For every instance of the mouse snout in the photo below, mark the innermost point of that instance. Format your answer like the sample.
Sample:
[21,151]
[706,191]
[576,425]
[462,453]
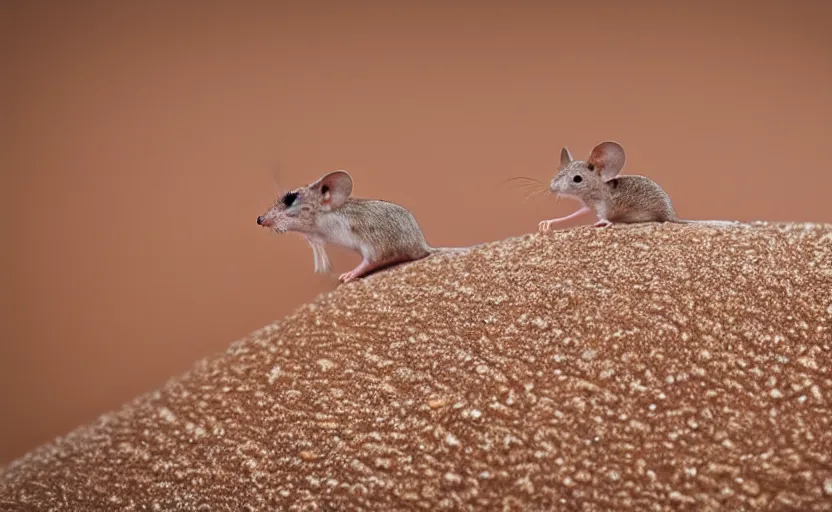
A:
[267,221]
[553,186]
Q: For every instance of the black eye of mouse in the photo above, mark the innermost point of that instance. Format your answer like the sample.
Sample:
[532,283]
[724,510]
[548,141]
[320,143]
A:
[590,167]
[577,179]
[289,198]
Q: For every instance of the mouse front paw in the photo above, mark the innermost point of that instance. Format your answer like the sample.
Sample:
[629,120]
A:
[544,226]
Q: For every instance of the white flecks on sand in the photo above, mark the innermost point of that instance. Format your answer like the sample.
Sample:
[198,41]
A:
[453,478]
[451,440]
[325,364]
[540,323]
[816,394]
[167,415]
[273,374]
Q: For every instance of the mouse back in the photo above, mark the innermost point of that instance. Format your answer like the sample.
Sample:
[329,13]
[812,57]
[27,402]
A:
[635,198]
[375,227]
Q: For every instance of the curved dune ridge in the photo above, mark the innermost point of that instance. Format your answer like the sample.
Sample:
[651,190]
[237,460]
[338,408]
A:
[637,367]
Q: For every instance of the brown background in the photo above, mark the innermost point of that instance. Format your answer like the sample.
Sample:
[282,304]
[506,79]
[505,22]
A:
[139,143]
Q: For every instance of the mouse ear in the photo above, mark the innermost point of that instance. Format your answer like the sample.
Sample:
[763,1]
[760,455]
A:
[565,157]
[335,187]
[608,159]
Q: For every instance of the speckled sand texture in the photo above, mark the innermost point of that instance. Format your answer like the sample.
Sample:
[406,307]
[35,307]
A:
[650,367]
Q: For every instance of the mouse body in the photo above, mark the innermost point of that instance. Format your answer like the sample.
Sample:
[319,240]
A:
[615,199]
[383,233]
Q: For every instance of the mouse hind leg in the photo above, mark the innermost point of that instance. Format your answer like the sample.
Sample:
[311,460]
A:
[371,262]
[362,269]
[366,266]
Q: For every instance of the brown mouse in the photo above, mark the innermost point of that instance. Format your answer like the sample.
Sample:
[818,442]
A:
[383,233]
[626,199]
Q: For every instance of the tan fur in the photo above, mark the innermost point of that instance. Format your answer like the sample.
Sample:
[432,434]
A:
[378,230]
[630,199]
[614,199]
[383,233]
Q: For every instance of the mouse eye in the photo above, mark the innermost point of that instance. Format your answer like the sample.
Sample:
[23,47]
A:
[577,179]
[590,167]
[289,199]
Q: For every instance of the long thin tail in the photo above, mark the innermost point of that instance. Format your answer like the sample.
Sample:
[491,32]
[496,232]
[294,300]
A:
[710,222]
[437,250]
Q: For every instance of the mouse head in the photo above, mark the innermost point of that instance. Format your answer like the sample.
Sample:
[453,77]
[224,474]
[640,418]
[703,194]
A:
[584,179]
[298,209]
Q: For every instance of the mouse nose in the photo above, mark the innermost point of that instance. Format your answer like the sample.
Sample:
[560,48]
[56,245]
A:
[259,221]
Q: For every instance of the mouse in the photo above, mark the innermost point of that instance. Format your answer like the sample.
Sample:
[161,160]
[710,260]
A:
[325,212]
[614,198]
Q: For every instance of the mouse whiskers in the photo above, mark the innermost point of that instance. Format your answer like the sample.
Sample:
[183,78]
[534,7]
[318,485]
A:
[531,186]
[535,193]
[526,179]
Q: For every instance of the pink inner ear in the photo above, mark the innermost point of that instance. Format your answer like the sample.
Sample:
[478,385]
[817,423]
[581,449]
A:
[597,160]
[326,192]
[335,188]
[608,159]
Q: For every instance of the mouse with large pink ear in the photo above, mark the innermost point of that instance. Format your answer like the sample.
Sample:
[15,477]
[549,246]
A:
[325,213]
[614,198]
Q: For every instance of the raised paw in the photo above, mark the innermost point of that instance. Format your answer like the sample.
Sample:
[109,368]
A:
[544,226]
[603,223]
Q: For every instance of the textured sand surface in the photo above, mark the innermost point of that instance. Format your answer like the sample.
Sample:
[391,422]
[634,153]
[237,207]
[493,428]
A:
[651,367]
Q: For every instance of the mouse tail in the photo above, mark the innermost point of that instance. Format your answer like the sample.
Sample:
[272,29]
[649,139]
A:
[710,222]
[438,250]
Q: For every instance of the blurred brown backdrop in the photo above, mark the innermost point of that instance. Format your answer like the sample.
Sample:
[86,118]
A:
[140,141]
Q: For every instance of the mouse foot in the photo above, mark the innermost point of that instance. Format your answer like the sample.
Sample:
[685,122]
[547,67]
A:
[364,268]
[352,275]
[544,226]
[603,223]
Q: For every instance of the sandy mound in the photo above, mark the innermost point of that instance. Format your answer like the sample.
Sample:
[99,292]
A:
[652,366]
